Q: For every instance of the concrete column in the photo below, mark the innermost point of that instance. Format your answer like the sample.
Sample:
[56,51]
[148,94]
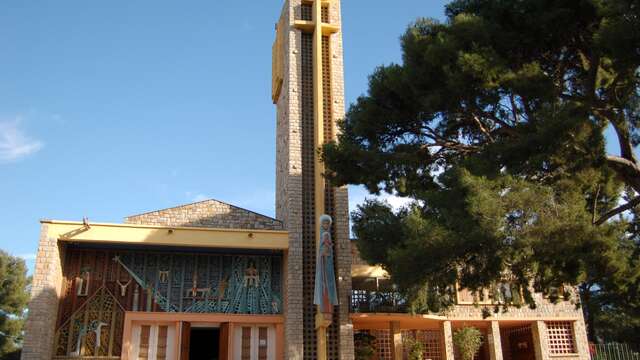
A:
[447,340]
[494,341]
[45,294]
[396,337]
[581,340]
[540,344]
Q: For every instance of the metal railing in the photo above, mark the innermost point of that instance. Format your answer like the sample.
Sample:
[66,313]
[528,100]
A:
[377,302]
[614,351]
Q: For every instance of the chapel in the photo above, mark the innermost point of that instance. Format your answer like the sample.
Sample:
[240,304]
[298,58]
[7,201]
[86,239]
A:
[211,280]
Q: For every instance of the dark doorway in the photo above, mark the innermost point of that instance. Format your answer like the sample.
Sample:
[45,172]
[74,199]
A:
[204,344]
[517,343]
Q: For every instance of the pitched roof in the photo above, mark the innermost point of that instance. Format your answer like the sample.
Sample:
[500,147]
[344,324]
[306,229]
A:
[208,213]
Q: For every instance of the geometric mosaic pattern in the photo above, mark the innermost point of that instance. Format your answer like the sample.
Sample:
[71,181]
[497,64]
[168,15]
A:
[94,330]
[560,337]
[209,283]
[100,285]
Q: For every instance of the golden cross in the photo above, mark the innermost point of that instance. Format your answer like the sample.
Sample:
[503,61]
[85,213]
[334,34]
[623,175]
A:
[319,29]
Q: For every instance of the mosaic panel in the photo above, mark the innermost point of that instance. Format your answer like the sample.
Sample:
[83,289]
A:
[99,285]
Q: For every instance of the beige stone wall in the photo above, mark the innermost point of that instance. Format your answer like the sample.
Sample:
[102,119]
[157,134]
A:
[43,306]
[289,181]
[289,185]
[343,242]
[208,213]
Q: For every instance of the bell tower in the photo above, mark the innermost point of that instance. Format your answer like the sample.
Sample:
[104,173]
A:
[308,90]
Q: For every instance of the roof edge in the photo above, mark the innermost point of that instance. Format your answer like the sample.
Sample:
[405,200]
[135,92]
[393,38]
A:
[203,201]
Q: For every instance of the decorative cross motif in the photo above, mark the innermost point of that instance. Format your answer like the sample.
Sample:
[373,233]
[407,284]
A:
[123,287]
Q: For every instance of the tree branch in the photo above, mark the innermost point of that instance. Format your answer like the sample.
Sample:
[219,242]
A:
[482,128]
[620,209]
[621,162]
[595,204]
[626,149]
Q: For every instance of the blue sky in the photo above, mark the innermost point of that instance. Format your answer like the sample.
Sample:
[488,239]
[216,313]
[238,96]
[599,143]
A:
[111,108]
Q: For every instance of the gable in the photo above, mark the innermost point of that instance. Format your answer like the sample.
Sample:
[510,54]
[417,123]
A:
[208,213]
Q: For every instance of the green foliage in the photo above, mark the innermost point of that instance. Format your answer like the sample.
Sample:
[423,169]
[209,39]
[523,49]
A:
[468,341]
[13,300]
[475,228]
[494,123]
[364,346]
[415,349]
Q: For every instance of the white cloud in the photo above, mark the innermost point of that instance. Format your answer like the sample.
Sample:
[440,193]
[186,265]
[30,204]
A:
[27,257]
[200,197]
[14,143]
[358,195]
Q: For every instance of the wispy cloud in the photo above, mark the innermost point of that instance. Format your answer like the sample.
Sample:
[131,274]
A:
[27,257]
[200,197]
[358,195]
[14,143]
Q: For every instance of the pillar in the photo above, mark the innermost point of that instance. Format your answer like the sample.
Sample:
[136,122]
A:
[539,332]
[494,341]
[396,340]
[447,339]
[308,90]
[45,292]
[580,337]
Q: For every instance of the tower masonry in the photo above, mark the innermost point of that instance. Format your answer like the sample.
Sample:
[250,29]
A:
[308,90]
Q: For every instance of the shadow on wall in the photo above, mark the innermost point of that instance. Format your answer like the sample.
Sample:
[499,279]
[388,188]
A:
[40,325]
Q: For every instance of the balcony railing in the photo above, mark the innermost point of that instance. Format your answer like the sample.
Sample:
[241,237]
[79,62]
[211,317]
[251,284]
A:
[363,301]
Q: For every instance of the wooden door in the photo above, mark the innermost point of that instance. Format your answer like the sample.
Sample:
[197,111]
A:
[185,341]
[224,341]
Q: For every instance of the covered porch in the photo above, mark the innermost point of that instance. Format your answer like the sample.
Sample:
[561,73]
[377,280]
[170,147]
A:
[503,339]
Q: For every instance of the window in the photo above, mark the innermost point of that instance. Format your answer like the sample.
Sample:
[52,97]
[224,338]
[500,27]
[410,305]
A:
[560,337]
[383,344]
[468,297]
[430,339]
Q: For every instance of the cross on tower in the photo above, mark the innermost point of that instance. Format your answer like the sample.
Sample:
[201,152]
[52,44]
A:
[308,91]
[319,28]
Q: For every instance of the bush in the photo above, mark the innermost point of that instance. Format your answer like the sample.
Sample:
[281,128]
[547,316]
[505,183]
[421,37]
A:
[364,349]
[414,348]
[468,341]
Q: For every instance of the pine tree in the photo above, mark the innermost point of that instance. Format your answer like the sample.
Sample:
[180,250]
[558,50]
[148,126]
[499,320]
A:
[13,301]
[494,123]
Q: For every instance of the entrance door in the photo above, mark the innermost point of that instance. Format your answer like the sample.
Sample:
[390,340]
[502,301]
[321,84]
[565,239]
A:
[253,342]
[201,343]
[153,342]
[205,344]
[518,343]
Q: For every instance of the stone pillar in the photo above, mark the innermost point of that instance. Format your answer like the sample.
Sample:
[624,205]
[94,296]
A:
[45,292]
[541,347]
[494,341]
[343,261]
[447,340]
[396,340]
[580,337]
[298,184]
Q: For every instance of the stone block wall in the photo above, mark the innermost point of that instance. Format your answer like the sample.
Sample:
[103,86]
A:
[208,213]
[45,291]
[343,251]
[289,180]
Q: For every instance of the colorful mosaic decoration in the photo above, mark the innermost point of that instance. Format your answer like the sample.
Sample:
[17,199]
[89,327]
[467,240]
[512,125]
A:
[207,283]
[94,330]
[100,285]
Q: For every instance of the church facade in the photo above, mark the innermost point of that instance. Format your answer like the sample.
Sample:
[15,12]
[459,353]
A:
[210,280]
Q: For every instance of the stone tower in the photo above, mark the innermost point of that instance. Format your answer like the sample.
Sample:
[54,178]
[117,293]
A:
[308,89]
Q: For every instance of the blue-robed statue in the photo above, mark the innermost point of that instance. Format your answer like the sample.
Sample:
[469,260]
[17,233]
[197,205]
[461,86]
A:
[325,294]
